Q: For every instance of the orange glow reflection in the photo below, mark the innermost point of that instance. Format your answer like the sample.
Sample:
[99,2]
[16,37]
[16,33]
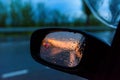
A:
[68,45]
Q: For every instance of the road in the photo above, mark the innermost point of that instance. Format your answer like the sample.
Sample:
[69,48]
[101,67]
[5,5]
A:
[16,63]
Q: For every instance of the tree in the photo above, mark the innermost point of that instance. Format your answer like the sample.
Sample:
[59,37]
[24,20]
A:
[87,12]
[16,19]
[21,14]
[27,15]
[42,14]
[3,15]
[59,19]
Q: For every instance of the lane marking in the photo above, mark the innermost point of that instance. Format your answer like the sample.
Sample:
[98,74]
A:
[15,73]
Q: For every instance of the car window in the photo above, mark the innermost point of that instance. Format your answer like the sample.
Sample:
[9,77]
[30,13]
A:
[108,11]
[20,18]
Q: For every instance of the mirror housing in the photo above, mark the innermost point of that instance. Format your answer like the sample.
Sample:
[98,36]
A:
[93,58]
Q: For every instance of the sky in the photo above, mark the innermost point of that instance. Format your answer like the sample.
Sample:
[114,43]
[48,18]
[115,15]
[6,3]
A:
[73,8]
[69,7]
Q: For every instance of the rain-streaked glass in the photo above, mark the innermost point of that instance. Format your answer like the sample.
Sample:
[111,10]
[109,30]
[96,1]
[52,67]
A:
[107,11]
[63,48]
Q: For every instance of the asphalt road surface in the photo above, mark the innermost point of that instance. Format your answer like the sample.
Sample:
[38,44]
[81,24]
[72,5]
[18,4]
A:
[16,63]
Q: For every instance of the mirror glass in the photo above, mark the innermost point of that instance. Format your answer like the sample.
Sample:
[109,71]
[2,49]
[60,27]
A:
[63,48]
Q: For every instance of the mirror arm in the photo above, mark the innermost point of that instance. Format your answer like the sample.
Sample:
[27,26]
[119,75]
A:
[116,40]
[112,66]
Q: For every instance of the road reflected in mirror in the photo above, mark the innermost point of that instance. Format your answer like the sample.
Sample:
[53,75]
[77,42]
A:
[63,48]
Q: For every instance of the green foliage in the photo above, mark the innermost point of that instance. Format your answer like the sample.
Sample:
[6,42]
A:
[87,12]
[59,19]
[15,7]
[77,22]
[42,16]
[27,15]
[21,15]
[95,22]
[3,15]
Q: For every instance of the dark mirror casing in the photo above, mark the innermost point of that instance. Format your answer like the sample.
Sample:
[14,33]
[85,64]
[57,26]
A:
[93,50]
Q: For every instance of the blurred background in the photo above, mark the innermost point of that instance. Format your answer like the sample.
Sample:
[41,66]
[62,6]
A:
[20,18]
[43,13]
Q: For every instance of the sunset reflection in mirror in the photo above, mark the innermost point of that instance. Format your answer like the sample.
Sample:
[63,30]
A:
[62,48]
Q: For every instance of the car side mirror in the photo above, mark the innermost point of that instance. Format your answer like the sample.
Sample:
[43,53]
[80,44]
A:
[68,50]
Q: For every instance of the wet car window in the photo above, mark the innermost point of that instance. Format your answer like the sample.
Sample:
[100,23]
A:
[19,18]
[111,14]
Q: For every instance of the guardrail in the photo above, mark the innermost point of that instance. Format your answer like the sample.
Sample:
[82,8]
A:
[31,29]
[17,31]
[9,30]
